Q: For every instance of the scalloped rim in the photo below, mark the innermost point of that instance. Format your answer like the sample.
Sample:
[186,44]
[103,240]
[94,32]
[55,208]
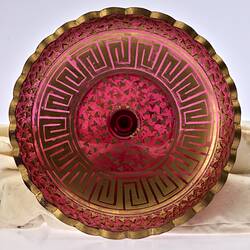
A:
[192,211]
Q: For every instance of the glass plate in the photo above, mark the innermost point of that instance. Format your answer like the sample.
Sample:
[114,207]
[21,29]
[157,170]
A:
[124,123]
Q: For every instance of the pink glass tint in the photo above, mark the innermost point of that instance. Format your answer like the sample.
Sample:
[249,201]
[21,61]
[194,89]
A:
[140,105]
[124,123]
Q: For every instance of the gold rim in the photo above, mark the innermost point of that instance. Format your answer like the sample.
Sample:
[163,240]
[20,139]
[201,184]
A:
[209,195]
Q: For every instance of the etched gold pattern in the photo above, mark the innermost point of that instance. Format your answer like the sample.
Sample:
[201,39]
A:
[196,208]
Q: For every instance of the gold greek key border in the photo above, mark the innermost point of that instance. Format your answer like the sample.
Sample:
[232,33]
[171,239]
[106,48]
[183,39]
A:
[126,234]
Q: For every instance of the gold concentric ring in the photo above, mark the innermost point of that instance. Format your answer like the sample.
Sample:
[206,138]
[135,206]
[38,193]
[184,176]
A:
[191,212]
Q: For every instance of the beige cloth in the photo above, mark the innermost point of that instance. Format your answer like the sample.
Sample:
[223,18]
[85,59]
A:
[229,212]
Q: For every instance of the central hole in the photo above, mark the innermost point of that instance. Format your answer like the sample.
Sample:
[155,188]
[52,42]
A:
[123,122]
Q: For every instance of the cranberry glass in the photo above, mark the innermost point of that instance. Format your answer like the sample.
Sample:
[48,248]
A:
[124,124]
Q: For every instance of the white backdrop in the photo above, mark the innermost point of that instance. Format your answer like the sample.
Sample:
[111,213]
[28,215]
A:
[24,23]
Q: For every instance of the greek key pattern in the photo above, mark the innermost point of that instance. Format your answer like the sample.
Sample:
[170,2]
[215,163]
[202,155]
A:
[53,192]
[69,79]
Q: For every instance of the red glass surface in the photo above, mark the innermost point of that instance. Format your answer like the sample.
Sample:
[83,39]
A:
[124,123]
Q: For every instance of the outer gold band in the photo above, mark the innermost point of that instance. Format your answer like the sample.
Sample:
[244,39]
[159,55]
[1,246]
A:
[128,234]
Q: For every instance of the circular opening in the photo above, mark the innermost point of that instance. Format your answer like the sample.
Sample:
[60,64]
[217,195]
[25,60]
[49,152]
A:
[123,123]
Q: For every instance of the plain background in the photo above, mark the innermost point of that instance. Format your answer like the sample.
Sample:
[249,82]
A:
[24,23]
